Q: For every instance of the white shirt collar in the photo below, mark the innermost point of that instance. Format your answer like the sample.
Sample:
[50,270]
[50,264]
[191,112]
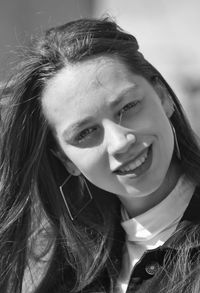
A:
[164,215]
[152,228]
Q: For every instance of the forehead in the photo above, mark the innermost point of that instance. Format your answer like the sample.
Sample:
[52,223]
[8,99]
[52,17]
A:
[81,89]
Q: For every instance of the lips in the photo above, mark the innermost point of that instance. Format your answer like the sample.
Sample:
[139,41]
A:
[134,164]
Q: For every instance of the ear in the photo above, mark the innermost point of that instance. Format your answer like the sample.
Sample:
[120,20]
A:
[69,165]
[166,100]
[71,168]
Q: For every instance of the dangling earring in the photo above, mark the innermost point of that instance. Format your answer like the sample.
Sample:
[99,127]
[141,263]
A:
[176,141]
[68,197]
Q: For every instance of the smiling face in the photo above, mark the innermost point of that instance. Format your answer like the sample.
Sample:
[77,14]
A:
[112,126]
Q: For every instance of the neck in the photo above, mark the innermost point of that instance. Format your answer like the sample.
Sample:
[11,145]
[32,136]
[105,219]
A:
[137,206]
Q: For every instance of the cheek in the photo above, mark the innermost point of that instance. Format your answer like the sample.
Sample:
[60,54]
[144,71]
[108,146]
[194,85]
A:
[90,162]
[94,166]
[156,123]
[166,139]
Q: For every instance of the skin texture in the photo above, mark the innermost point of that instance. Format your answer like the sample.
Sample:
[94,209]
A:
[125,115]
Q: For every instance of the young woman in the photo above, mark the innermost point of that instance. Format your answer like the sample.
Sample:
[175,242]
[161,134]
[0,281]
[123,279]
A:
[99,170]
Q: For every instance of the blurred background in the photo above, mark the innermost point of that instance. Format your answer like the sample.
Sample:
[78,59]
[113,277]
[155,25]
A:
[168,33]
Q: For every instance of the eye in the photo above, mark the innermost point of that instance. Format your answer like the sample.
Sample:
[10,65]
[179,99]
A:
[86,134]
[128,107]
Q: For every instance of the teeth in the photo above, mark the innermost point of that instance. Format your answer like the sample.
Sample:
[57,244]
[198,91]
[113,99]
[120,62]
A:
[135,164]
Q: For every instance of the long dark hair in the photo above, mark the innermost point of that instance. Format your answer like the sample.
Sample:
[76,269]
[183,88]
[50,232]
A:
[31,174]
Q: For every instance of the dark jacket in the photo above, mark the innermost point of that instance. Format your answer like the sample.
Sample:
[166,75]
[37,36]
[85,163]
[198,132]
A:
[149,275]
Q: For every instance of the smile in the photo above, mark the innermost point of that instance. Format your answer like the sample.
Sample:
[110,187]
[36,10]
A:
[138,165]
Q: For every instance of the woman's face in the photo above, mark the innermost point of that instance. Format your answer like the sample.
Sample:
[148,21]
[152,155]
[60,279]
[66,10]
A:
[112,125]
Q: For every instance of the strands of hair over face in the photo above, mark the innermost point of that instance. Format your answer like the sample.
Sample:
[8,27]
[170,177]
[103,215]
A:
[30,175]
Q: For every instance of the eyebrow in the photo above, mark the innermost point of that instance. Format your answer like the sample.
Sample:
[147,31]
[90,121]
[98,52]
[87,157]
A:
[118,100]
[75,126]
[81,123]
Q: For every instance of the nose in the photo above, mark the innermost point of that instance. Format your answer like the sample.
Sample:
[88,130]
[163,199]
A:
[119,138]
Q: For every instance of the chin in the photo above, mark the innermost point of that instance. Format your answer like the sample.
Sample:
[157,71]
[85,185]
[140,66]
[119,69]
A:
[146,188]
